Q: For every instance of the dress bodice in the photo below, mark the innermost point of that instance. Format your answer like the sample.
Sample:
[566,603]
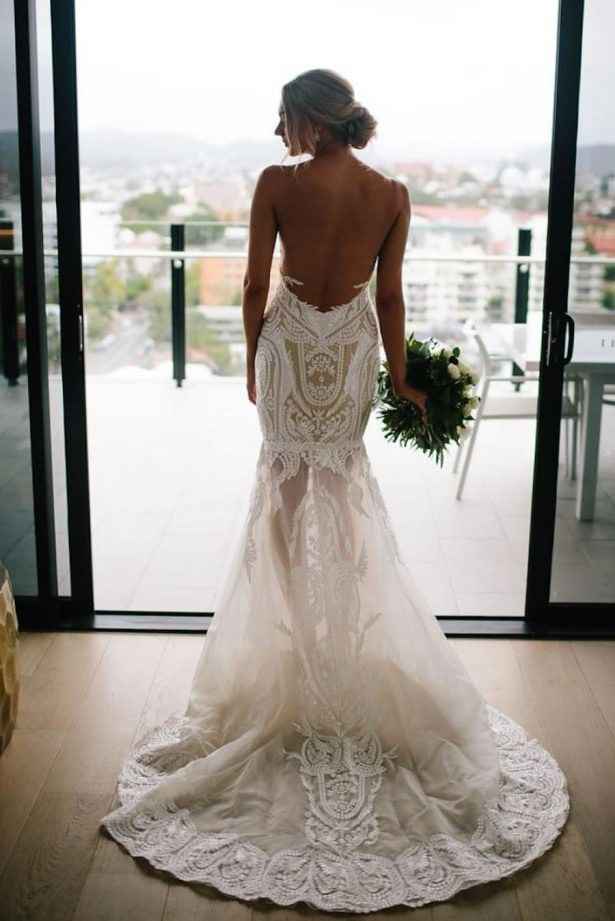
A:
[316,375]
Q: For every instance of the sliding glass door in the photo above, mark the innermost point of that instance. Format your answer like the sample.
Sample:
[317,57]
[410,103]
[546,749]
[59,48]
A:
[17,533]
[574,481]
[584,548]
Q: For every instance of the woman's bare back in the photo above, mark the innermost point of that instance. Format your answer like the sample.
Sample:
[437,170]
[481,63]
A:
[333,218]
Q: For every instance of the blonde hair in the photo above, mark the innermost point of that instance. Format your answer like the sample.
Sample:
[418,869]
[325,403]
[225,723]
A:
[323,97]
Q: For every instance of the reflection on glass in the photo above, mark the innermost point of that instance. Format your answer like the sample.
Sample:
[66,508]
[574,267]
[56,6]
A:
[52,297]
[17,540]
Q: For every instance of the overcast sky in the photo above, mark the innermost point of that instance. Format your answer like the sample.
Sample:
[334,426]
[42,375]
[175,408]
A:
[477,73]
[429,70]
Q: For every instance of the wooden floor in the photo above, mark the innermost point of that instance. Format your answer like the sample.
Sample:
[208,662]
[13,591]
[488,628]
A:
[86,697]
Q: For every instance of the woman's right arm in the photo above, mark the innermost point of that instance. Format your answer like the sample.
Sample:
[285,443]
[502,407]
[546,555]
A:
[390,300]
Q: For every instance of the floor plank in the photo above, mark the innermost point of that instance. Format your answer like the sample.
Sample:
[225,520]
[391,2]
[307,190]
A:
[481,903]
[51,696]
[31,648]
[574,730]
[43,879]
[24,766]
[597,662]
[562,886]
[201,903]
[110,897]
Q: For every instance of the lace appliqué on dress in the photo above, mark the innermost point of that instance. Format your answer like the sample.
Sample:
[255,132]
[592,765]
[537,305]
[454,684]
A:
[333,872]
[341,775]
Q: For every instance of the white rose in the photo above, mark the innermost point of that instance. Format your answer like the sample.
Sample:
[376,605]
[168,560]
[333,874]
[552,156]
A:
[468,370]
[446,351]
[454,371]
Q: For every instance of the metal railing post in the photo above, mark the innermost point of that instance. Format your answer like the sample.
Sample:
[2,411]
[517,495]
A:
[522,284]
[8,306]
[178,305]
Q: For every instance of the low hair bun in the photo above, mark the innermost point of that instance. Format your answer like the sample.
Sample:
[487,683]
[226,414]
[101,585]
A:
[360,127]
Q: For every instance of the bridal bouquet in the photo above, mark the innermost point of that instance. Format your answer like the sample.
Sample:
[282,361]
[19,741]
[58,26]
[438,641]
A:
[449,384]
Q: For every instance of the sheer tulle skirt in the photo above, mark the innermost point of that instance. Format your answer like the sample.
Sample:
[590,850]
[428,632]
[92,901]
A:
[334,749]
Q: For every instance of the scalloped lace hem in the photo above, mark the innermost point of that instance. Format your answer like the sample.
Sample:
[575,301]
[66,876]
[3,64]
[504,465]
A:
[518,826]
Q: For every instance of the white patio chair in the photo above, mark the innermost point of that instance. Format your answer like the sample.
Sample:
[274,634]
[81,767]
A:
[516,406]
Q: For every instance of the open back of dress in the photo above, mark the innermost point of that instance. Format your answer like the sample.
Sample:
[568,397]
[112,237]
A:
[334,750]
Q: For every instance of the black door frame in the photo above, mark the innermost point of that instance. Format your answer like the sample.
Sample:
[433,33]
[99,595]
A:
[33,273]
[72,328]
[48,611]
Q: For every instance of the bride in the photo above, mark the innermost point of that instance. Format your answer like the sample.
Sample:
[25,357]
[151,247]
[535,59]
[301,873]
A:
[334,750]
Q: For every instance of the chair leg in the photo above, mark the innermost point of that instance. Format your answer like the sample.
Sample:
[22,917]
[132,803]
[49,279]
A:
[466,460]
[458,454]
[472,438]
[578,397]
[470,447]
[566,448]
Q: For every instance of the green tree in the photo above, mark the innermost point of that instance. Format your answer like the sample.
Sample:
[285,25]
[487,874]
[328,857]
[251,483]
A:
[420,197]
[138,286]
[201,235]
[608,300]
[151,207]
[494,308]
[193,282]
[201,338]
[159,316]
[104,291]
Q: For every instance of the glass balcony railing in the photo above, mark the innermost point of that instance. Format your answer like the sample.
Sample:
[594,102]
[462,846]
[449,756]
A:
[177,312]
[170,466]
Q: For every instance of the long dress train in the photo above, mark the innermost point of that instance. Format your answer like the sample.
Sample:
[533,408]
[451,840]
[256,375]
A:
[334,749]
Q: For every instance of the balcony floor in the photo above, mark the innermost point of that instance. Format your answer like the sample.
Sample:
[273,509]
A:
[170,474]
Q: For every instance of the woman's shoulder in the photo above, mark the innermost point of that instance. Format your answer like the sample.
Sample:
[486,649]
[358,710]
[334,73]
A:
[372,175]
[381,193]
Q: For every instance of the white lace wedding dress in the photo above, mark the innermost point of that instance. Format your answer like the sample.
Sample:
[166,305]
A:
[334,750]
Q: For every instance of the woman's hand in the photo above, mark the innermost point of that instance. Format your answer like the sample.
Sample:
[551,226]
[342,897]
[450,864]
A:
[418,397]
[251,383]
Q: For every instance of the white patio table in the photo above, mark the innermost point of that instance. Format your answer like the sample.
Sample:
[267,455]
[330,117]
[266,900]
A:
[593,358]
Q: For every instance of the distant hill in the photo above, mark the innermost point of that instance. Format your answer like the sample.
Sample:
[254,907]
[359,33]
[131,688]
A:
[118,148]
[111,149]
[9,153]
[598,159]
